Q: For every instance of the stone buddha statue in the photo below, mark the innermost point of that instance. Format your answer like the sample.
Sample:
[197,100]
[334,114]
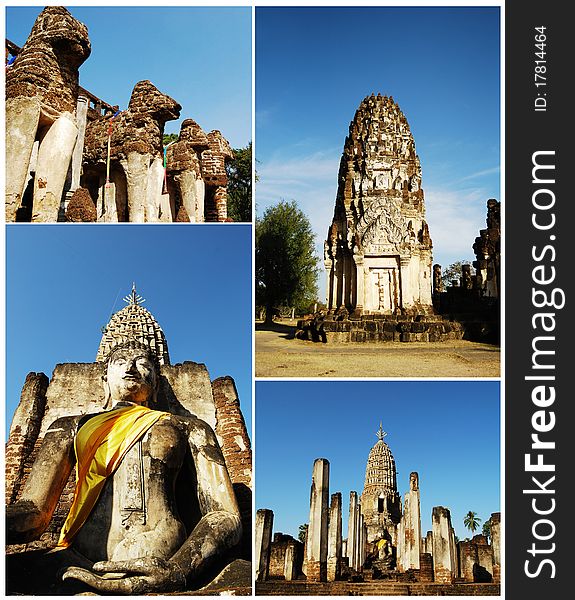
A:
[154,509]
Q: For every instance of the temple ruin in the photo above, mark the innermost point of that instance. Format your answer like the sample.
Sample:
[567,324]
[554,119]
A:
[76,388]
[384,552]
[474,298]
[378,249]
[378,253]
[61,140]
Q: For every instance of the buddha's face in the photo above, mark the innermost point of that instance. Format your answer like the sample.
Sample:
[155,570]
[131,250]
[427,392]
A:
[131,376]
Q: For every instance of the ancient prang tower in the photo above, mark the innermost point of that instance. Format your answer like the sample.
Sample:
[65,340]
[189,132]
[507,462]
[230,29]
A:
[76,388]
[378,250]
[380,502]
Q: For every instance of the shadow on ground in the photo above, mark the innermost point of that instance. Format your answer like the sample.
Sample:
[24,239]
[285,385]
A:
[287,331]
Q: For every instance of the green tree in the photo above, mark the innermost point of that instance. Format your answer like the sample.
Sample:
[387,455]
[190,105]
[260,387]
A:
[239,171]
[471,521]
[453,271]
[486,531]
[169,138]
[302,534]
[286,264]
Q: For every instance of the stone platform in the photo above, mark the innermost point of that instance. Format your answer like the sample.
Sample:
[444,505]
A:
[344,588]
[380,328]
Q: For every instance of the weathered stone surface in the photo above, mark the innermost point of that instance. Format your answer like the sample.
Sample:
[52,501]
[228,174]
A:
[41,92]
[81,208]
[137,129]
[263,534]
[409,535]
[487,248]
[378,250]
[286,557]
[334,538]
[24,432]
[22,117]
[136,152]
[353,535]
[42,85]
[380,501]
[196,166]
[444,551]
[236,447]
[496,545]
[134,322]
[316,546]
[47,66]
[473,300]
[185,391]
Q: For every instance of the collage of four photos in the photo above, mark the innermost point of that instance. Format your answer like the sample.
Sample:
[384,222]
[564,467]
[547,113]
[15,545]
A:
[253,281]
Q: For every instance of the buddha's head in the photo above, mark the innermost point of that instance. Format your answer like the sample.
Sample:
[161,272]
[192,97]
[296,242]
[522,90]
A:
[132,374]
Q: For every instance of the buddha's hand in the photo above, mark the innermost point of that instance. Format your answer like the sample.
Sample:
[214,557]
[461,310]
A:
[134,577]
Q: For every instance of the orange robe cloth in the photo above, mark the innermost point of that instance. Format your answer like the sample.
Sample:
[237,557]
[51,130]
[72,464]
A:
[100,446]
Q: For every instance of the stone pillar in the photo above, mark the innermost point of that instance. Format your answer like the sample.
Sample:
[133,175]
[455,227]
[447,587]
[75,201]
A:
[429,542]
[352,531]
[334,538]
[362,542]
[22,116]
[467,561]
[437,283]
[154,194]
[24,432]
[264,526]
[328,264]
[334,284]
[81,119]
[443,550]
[187,185]
[107,207]
[290,562]
[136,169]
[411,526]
[318,522]
[405,297]
[54,157]
[496,546]
[359,284]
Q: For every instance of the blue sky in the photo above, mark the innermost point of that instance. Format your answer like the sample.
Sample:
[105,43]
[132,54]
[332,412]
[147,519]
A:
[446,431]
[315,65]
[63,283]
[200,56]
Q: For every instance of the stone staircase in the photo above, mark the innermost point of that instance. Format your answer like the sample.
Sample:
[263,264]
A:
[374,588]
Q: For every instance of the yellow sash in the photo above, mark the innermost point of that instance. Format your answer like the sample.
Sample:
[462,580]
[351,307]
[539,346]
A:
[100,446]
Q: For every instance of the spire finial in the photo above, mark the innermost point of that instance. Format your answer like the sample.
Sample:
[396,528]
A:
[381,434]
[134,299]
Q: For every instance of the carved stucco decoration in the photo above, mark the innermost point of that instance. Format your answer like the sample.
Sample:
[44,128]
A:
[382,224]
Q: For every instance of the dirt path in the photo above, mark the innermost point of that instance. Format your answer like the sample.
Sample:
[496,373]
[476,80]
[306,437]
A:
[279,355]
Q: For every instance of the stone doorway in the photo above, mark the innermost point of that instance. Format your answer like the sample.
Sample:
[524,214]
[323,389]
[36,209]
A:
[383,289]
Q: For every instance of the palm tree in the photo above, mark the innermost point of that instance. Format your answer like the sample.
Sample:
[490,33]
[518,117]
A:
[471,521]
